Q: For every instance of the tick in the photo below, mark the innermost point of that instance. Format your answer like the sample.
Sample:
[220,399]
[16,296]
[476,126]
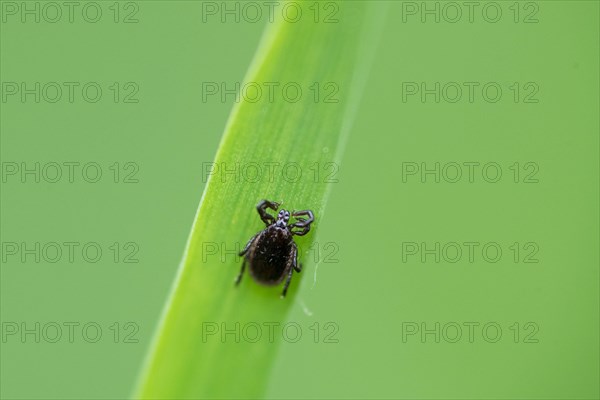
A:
[272,254]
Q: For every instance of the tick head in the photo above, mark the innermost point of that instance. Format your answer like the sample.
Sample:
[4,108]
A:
[282,218]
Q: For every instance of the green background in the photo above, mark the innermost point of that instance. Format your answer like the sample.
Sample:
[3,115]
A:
[371,293]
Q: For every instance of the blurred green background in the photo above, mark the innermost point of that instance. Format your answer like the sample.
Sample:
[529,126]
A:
[379,296]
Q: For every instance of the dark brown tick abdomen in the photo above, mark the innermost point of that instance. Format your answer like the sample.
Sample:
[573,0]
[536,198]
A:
[270,256]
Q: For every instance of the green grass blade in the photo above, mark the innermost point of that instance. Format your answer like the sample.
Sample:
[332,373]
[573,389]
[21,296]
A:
[302,136]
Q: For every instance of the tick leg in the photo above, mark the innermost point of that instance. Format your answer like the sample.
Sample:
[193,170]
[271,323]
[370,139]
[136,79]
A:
[302,232]
[239,277]
[267,218]
[243,254]
[297,266]
[294,261]
[302,222]
[287,283]
[248,244]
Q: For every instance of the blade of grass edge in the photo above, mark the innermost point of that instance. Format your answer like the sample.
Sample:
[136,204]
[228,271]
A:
[187,358]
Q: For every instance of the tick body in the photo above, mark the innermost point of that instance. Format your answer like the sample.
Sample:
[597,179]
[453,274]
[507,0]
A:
[271,254]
